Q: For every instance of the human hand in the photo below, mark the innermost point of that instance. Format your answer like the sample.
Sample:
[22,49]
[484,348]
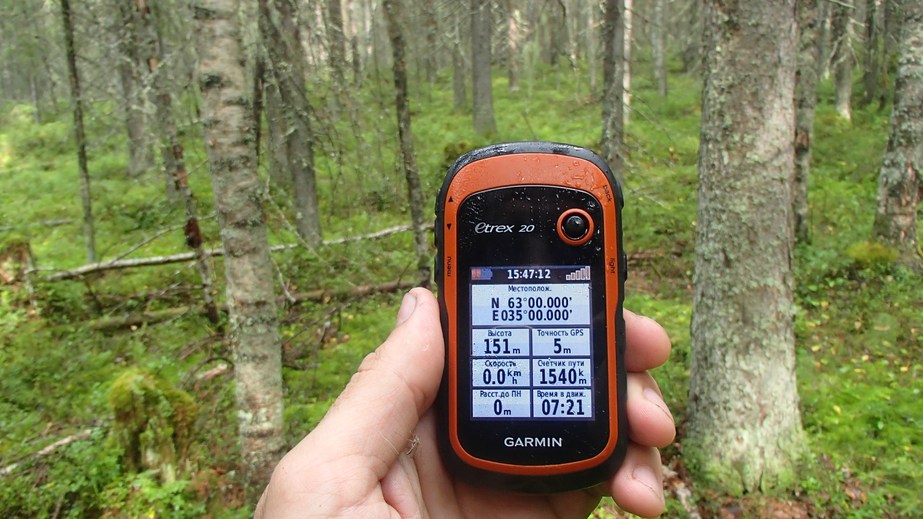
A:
[355,463]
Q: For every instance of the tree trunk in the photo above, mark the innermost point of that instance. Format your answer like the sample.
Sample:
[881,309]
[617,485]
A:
[626,57]
[807,12]
[459,74]
[228,127]
[657,46]
[482,97]
[173,151]
[842,58]
[592,37]
[513,35]
[336,39]
[612,109]
[899,179]
[871,70]
[431,52]
[89,234]
[287,66]
[744,430]
[129,64]
[393,11]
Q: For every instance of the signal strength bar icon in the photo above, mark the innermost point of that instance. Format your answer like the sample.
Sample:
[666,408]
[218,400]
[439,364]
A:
[581,274]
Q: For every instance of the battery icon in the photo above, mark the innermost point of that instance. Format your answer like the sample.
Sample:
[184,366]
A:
[481,274]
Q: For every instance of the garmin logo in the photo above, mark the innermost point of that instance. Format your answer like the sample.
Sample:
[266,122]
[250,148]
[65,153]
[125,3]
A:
[533,441]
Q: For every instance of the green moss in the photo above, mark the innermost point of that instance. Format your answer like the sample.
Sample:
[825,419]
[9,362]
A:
[872,255]
[153,422]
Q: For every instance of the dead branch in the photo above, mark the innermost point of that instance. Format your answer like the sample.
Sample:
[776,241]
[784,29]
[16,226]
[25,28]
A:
[46,223]
[82,435]
[319,295]
[117,264]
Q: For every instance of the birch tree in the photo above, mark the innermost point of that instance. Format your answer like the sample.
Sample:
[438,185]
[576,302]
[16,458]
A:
[228,127]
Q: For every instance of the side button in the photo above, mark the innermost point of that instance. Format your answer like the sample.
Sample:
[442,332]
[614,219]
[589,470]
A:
[624,261]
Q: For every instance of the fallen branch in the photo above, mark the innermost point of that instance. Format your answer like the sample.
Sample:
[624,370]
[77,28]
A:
[82,435]
[46,223]
[319,295]
[117,264]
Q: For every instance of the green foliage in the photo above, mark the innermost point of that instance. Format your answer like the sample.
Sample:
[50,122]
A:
[858,323]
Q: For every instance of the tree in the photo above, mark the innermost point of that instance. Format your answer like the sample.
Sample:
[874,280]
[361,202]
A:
[613,70]
[89,234]
[842,55]
[482,97]
[393,16]
[513,35]
[874,47]
[744,429]
[151,47]
[228,127]
[807,12]
[627,7]
[657,47]
[287,67]
[899,178]
[129,65]
[459,75]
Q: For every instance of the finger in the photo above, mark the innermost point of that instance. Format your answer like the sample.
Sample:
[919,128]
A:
[638,485]
[376,413]
[647,344]
[650,422]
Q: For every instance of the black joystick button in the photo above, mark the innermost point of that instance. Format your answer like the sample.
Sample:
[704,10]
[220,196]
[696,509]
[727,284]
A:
[575,227]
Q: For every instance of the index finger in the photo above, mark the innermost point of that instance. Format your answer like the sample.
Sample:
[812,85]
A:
[647,344]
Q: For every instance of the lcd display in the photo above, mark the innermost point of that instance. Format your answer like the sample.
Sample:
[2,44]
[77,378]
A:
[531,343]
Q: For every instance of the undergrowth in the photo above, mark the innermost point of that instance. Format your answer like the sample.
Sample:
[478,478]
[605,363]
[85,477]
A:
[858,322]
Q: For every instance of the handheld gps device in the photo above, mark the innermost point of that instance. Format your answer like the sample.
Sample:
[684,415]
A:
[530,271]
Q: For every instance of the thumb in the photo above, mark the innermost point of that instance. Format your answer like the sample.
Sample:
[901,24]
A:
[377,412]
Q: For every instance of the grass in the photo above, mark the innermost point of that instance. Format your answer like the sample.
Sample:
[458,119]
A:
[858,323]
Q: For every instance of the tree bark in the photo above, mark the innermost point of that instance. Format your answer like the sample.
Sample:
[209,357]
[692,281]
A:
[613,71]
[482,97]
[657,47]
[807,13]
[744,429]
[287,66]
[228,127]
[89,234]
[513,35]
[899,178]
[174,153]
[871,70]
[626,58]
[393,16]
[842,57]
[459,74]
[133,98]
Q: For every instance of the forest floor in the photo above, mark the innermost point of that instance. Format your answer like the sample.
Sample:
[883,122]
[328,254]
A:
[63,343]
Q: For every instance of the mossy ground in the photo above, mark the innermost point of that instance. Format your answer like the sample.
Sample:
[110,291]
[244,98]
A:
[858,322]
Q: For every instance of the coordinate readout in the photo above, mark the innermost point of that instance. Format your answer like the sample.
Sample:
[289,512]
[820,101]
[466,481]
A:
[531,343]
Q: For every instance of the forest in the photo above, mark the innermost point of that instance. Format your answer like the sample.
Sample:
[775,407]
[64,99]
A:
[210,211]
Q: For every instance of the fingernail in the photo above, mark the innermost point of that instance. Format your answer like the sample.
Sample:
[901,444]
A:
[408,305]
[654,397]
[645,475]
